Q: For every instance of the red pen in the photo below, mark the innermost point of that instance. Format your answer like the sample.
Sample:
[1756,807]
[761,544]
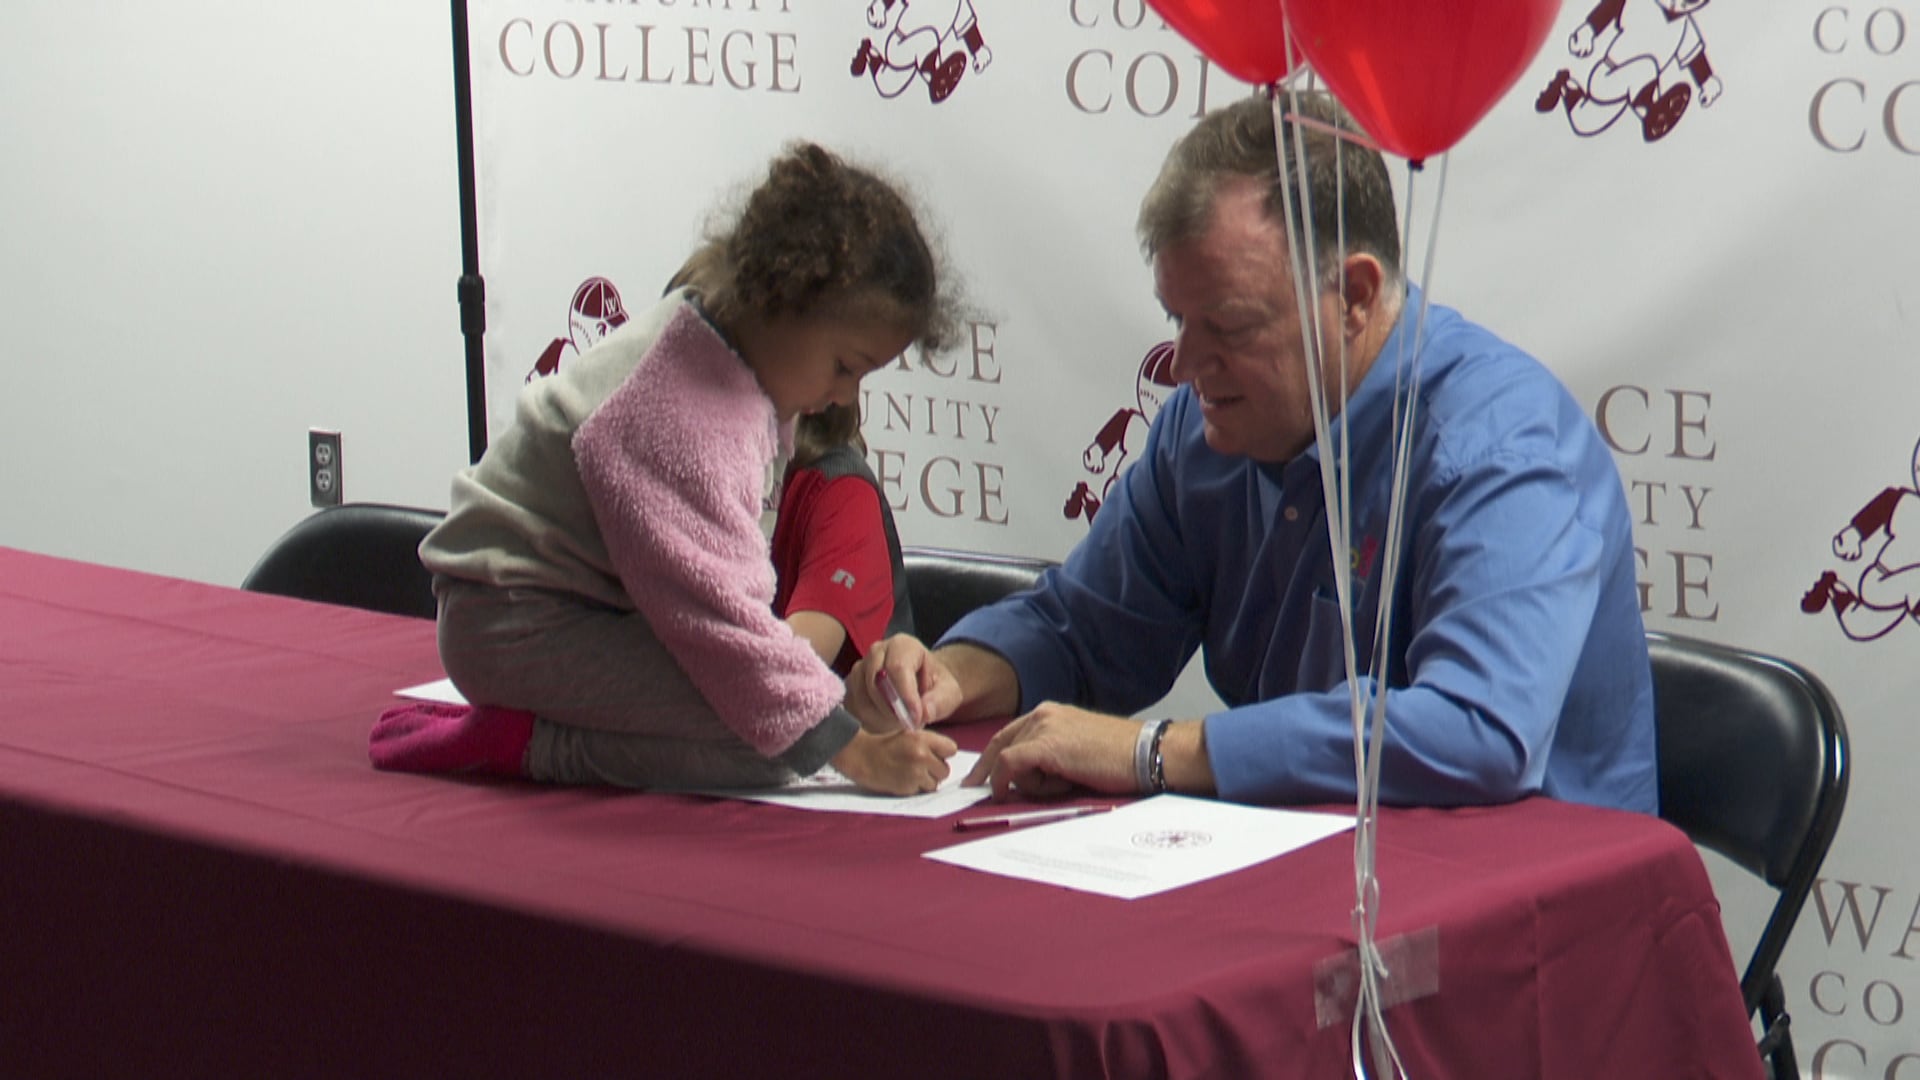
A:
[898,704]
[1025,817]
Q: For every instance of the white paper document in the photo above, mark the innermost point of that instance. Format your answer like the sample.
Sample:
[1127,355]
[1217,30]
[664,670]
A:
[828,790]
[1145,847]
[440,690]
[824,790]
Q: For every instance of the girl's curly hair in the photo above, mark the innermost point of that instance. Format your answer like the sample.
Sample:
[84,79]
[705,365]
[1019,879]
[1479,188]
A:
[822,237]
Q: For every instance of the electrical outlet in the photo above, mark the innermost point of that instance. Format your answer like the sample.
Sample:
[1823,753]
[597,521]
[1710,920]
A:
[323,467]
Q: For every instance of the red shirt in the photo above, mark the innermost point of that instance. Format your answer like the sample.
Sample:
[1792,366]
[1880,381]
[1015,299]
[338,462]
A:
[830,553]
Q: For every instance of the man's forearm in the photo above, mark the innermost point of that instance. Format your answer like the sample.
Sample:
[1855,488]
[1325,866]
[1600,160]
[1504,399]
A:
[988,684]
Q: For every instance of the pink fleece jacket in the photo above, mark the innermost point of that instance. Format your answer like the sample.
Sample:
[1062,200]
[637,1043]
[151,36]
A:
[673,462]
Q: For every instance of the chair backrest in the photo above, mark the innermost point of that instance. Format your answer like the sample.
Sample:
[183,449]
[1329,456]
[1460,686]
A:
[1753,759]
[945,585]
[363,555]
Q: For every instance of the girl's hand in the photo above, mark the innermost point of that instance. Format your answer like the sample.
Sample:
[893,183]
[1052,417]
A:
[896,763]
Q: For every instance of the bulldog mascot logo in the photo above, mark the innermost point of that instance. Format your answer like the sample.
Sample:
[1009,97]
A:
[1648,51]
[1124,433]
[920,40]
[596,311]
[1883,543]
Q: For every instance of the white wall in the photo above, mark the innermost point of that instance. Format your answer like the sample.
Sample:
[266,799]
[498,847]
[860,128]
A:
[225,223]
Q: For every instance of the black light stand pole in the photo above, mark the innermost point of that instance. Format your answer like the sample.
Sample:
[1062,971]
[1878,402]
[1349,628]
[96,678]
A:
[472,288]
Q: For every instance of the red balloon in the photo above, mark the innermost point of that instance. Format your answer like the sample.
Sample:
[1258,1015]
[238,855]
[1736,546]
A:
[1246,37]
[1419,74]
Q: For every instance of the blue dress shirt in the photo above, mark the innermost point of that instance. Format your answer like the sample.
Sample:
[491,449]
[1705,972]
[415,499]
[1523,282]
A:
[1518,660]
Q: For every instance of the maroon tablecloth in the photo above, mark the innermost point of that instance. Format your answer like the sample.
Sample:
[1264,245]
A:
[201,875]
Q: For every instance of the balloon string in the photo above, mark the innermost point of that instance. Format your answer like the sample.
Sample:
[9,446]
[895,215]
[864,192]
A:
[1335,472]
[1287,88]
[1302,258]
[1406,387]
[1302,264]
[1369,1033]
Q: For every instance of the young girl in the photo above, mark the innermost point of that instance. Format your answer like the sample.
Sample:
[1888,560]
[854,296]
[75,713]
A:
[606,593]
[841,582]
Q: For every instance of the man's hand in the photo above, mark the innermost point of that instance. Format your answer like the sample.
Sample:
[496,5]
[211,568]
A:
[926,687]
[1049,751]
[897,763]
[957,682]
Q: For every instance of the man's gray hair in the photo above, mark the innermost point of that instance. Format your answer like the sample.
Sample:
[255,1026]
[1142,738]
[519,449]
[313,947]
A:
[1237,141]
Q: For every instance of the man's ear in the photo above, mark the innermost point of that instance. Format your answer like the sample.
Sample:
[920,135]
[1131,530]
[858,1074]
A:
[1361,283]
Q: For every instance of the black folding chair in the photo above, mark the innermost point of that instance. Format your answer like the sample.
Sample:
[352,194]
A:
[1753,765]
[363,555]
[945,585]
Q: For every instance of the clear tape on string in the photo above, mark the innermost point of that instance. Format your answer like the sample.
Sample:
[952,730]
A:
[1370,1036]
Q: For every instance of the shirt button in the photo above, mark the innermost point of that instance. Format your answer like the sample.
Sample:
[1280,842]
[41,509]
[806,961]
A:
[1291,513]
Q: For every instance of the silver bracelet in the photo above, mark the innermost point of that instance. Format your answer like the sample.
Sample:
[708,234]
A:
[1158,763]
[1143,752]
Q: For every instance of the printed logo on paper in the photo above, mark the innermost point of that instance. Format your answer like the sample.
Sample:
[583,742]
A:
[1123,435]
[930,43]
[1172,839]
[1875,589]
[595,312]
[1640,58]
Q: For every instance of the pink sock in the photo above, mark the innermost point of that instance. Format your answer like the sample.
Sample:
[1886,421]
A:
[429,737]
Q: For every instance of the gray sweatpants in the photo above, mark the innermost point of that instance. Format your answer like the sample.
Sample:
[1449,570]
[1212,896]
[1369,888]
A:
[612,706]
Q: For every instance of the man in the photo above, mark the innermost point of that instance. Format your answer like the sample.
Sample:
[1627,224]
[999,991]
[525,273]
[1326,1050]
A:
[1518,661]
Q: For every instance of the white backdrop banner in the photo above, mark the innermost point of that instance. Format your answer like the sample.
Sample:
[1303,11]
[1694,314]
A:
[1702,216]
